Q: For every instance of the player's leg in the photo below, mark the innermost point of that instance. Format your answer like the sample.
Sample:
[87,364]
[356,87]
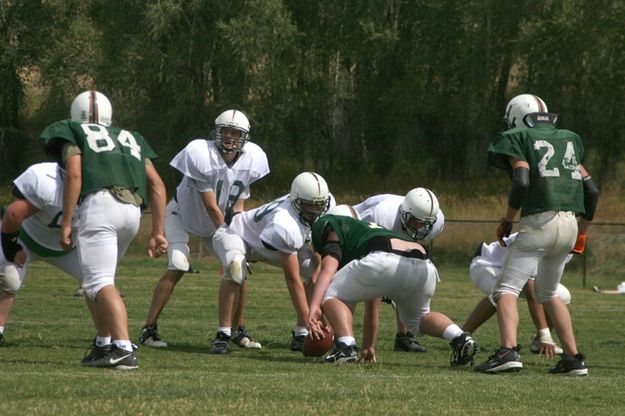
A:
[11,279]
[178,263]
[231,251]
[485,278]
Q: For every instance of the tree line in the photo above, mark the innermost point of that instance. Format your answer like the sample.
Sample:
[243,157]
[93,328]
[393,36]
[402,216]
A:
[350,89]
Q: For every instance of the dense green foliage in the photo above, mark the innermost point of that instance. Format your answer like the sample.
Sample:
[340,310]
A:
[351,89]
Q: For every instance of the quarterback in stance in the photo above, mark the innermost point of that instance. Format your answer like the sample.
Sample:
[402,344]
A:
[110,170]
[549,186]
[31,232]
[416,215]
[362,261]
[277,233]
[217,175]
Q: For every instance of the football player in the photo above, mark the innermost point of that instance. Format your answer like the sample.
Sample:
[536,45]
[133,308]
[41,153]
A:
[549,187]
[362,261]
[217,175]
[416,215]
[31,232]
[277,233]
[110,170]
[485,270]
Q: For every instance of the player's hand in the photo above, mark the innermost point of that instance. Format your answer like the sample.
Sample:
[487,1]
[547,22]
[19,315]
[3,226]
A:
[367,355]
[157,246]
[548,349]
[580,244]
[66,238]
[504,230]
[315,323]
[20,258]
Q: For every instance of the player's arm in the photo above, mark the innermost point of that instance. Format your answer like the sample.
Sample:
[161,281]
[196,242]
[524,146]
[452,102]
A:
[370,330]
[537,313]
[290,267]
[16,213]
[591,198]
[71,192]
[209,199]
[158,200]
[330,255]
[518,192]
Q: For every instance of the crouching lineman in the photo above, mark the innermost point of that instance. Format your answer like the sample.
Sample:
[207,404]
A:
[276,233]
[362,261]
[485,270]
[31,232]
[416,215]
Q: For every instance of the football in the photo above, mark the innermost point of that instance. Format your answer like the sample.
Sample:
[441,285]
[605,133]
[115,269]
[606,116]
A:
[317,348]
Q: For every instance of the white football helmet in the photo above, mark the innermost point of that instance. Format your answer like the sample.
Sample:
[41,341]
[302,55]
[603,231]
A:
[232,131]
[519,107]
[92,107]
[309,196]
[344,210]
[418,213]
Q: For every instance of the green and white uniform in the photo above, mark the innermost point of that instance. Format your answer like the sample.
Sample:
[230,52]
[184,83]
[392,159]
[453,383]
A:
[548,228]
[114,187]
[42,185]
[369,268]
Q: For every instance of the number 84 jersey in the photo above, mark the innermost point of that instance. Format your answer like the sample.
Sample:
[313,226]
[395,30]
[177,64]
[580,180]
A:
[111,157]
[554,157]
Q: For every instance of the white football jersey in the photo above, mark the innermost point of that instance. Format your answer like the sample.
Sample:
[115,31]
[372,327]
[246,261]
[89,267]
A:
[276,224]
[42,186]
[384,210]
[204,170]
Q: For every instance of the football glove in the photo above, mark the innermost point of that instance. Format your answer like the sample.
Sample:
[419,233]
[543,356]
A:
[580,244]
[504,230]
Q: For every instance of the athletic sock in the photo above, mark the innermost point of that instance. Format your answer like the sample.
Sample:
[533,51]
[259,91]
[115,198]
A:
[451,332]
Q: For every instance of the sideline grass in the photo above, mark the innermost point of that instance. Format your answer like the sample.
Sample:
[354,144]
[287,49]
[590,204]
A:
[49,330]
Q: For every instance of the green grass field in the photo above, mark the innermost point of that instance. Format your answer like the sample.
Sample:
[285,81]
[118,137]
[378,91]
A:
[49,330]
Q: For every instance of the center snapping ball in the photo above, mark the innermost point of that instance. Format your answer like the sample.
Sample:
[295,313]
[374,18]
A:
[317,348]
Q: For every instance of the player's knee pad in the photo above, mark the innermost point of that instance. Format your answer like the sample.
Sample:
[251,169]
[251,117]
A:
[179,259]
[236,270]
[93,286]
[564,294]
[10,280]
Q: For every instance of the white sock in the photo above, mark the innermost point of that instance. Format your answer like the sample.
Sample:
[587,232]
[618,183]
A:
[123,344]
[300,331]
[1,330]
[102,341]
[451,332]
[225,330]
[347,340]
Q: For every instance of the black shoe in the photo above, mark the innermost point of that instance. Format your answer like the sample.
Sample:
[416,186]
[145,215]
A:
[221,344]
[2,340]
[342,353]
[464,348]
[149,337]
[504,360]
[243,339]
[570,365]
[95,353]
[407,342]
[116,358]
[297,342]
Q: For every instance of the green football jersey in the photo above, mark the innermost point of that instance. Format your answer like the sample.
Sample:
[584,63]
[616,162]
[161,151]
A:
[111,157]
[354,235]
[554,157]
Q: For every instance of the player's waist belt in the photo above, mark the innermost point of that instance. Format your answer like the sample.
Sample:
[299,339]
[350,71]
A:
[382,243]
